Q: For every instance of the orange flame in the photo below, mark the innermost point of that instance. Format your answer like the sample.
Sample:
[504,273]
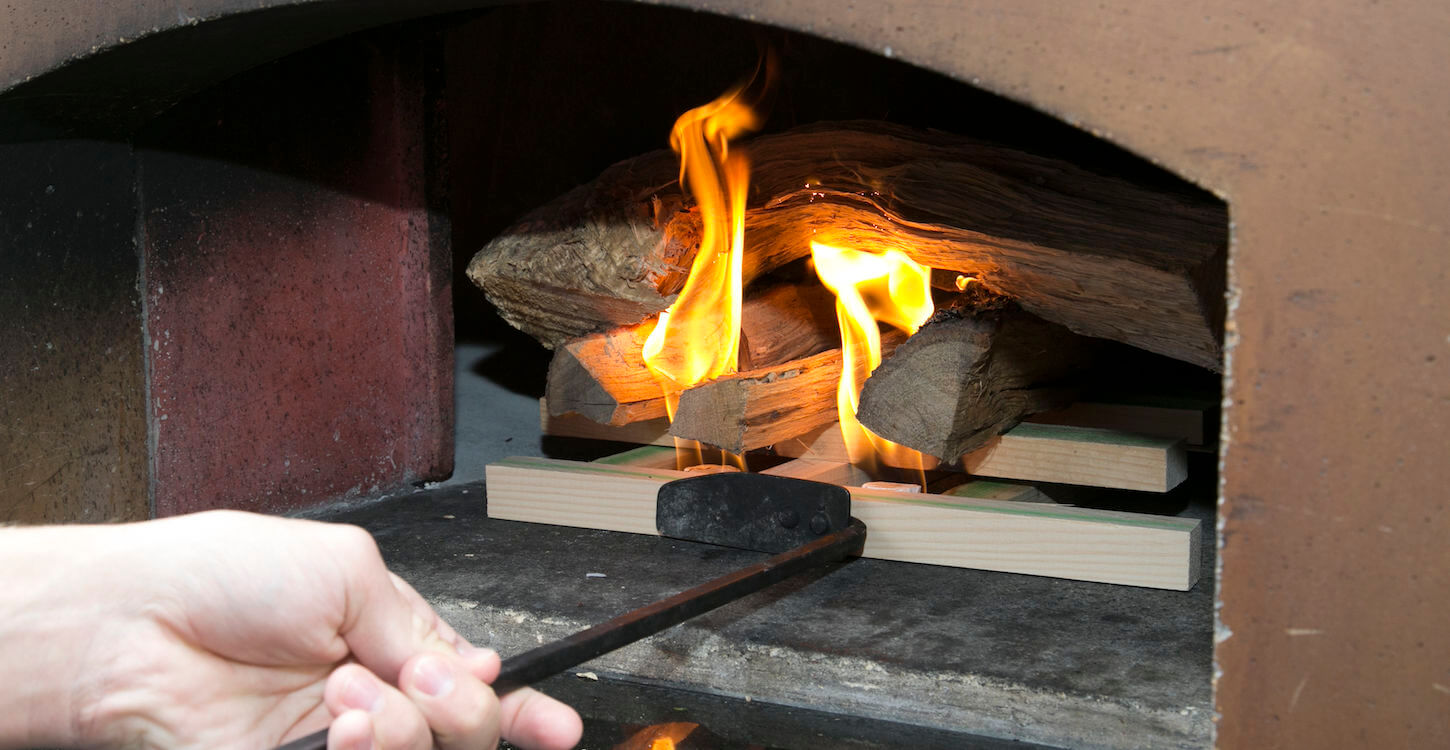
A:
[698,337]
[658,737]
[888,287]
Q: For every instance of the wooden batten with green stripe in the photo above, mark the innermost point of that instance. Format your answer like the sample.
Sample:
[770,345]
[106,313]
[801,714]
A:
[956,530]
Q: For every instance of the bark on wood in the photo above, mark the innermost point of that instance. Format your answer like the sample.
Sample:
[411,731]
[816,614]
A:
[1100,255]
[603,376]
[760,407]
[966,377]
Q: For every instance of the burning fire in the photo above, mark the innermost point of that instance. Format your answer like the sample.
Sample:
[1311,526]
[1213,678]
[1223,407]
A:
[888,287]
[698,337]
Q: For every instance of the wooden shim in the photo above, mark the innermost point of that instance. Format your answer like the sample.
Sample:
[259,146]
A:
[1082,455]
[831,472]
[1100,255]
[644,457]
[987,534]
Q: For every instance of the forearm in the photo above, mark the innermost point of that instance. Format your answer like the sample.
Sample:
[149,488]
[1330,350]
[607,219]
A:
[56,585]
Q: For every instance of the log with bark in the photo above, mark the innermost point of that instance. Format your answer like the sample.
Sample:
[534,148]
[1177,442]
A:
[1099,255]
[603,376]
[970,375]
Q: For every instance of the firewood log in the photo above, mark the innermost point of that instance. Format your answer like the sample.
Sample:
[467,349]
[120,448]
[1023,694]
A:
[760,407]
[968,376]
[1100,255]
[603,376]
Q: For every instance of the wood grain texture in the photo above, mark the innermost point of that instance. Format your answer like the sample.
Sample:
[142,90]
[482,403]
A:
[648,432]
[603,377]
[760,407]
[1082,455]
[1102,256]
[831,472]
[968,532]
[969,375]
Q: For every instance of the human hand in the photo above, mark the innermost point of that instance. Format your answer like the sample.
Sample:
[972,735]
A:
[234,630]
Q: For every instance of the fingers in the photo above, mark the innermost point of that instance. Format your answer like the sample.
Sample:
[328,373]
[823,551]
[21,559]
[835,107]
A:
[461,710]
[528,718]
[438,702]
[353,730]
[357,698]
[533,720]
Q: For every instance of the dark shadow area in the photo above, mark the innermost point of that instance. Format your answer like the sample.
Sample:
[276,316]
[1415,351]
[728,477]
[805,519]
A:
[519,364]
[542,97]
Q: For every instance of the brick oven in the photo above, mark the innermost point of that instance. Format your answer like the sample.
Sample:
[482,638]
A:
[233,236]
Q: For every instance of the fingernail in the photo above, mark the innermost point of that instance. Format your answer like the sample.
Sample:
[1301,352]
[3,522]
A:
[433,676]
[362,692]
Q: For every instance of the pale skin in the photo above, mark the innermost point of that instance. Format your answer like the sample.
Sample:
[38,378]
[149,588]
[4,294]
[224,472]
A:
[235,630]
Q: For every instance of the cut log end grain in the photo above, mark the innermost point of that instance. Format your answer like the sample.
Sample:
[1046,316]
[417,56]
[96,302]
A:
[969,376]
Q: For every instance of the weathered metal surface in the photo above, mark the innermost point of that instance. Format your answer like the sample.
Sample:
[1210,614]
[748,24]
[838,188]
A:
[750,511]
[72,395]
[298,304]
[1323,128]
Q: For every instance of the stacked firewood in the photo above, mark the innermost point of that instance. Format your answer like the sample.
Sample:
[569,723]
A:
[1035,260]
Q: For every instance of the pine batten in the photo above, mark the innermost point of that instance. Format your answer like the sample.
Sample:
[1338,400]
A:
[961,531]
[1083,456]
[1013,537]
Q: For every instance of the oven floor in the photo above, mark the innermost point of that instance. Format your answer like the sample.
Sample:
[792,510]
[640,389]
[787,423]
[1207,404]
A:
[872,654]
[890,645]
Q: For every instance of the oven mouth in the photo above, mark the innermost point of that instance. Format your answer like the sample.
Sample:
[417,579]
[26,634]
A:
[524,104]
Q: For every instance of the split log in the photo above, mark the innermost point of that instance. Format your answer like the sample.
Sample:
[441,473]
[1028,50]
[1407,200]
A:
[760,407]
[968,376]
[603,376]
[1100,255]
[784,322]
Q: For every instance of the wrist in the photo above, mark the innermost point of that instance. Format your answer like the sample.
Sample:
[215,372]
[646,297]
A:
[58,588]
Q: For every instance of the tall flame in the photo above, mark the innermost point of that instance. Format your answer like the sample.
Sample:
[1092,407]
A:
[698,337]
[888,287]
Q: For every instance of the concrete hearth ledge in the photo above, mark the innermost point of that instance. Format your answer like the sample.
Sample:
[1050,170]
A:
[991,655]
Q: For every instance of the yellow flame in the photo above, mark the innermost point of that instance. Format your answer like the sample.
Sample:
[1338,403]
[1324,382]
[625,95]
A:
[888,287]
[698,337]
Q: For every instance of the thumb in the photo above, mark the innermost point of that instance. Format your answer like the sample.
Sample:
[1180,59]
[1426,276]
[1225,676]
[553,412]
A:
[382,626]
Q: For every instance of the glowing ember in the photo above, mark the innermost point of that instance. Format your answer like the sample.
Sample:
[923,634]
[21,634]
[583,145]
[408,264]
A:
[888,287]
[698,337]
[658,737]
